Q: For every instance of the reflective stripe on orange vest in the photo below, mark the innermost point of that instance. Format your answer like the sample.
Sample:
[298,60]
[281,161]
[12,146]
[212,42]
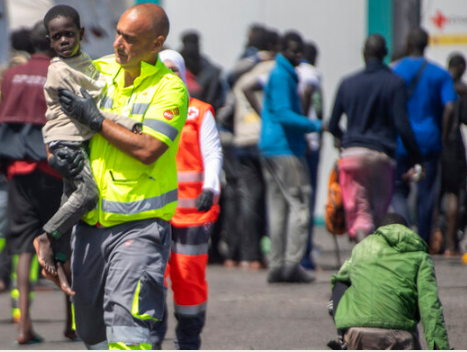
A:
[187,203]
[190,176]
[190,249]
[190,310]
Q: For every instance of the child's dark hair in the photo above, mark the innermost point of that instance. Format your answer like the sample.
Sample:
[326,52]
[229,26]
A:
[64,11]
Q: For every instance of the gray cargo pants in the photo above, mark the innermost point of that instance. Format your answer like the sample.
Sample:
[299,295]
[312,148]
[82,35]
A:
[118,277]
[288,203]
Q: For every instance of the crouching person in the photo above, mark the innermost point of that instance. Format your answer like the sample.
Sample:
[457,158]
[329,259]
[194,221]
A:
[392,286]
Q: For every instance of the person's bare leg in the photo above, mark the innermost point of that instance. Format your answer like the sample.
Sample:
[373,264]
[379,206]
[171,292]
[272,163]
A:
[436,242]
[69,332]
[25,332]
[44,252]
[452,213]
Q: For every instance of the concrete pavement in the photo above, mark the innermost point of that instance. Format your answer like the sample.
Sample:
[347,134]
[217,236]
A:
[245,312]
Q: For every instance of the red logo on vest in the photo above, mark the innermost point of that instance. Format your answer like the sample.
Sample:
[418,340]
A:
[168,114]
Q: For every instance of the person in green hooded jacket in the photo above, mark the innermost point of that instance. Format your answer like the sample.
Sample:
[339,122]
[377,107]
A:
[392,286]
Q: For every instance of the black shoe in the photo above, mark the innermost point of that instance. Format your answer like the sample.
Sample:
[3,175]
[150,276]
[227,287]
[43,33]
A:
[305,276]
[297,274]
[275,275]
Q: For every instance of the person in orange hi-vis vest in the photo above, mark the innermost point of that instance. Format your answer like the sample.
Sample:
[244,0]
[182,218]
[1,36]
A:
[199,162]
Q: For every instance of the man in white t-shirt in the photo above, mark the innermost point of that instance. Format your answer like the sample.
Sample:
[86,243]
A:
[309,88]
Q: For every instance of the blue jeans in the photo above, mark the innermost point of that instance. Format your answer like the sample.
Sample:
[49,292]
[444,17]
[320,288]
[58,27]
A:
[312,159]
[427,195]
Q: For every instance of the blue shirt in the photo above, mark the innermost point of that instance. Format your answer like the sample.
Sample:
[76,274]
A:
[283,125]
[433,91]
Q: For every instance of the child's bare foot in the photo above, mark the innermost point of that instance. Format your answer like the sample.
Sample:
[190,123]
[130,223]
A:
[63,280]
[60,279]
[45,254]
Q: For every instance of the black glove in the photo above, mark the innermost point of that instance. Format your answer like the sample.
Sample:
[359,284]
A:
[82,109]
[67,162]
[205,200]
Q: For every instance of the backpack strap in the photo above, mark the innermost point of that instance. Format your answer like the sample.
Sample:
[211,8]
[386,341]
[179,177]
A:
[416,79]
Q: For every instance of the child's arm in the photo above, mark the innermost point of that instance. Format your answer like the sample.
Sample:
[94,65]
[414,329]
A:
[58,77]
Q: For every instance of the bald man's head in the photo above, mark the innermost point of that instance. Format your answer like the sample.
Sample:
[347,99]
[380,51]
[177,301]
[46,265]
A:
[375,47]
[156,16]
[141,33]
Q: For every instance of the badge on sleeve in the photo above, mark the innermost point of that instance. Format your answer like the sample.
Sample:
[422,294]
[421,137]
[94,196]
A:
[168,114]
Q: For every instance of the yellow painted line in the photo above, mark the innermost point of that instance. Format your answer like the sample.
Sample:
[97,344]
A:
[448,39]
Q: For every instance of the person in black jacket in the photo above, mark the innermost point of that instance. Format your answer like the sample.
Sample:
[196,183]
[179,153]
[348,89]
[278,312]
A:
[374,100]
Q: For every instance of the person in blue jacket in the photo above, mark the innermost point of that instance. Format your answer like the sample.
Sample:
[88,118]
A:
[282,146]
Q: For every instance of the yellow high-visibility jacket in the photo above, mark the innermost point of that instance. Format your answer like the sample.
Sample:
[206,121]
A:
[130,190]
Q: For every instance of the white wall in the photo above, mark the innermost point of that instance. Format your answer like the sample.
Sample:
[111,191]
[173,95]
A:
[337,27]
[451,34]
[25,13]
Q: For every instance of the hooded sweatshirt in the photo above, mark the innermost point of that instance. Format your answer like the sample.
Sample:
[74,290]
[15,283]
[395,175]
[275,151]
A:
[393,286]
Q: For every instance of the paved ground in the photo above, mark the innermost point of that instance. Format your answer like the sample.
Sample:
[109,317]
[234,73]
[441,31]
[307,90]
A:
[247,313]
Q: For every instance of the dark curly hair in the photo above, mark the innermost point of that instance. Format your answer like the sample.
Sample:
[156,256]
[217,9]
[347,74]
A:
[64,11]
[390,219]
